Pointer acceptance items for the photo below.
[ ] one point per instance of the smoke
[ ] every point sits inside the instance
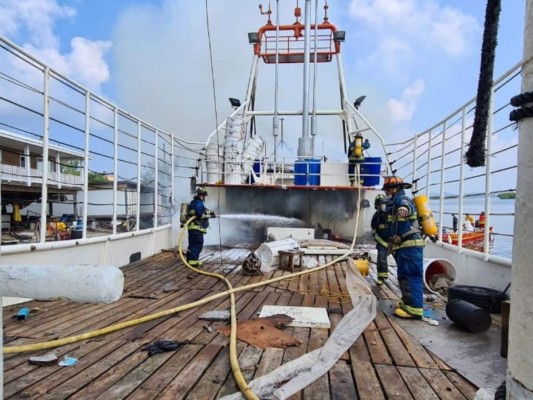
(246, 228)
(163, 73)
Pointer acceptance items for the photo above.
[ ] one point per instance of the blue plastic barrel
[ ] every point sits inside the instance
(307, 172)
(314, 172)
(370, 170)
(301, 172)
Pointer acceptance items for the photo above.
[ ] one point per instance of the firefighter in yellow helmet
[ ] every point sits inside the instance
(198, 227)
(406, 244)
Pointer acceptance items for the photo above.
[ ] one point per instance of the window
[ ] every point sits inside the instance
(51, 165)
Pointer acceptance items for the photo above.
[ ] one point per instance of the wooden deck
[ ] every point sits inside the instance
(384, 363)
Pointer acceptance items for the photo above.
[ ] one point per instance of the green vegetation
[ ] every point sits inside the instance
(507, 195)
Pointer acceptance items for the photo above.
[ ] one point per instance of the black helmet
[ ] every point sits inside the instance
(200, 190)
(380, 199)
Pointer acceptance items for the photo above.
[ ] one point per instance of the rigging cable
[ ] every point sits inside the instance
(216, 120)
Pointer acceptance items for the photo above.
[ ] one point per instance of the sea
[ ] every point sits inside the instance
(501, 219)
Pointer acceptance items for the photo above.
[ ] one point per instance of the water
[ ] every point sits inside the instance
(273, 220)
(501, 219)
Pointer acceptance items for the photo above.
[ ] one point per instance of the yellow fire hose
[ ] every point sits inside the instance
(243, 386)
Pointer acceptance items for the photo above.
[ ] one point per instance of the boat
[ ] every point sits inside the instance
(87, 136)
(467, 238)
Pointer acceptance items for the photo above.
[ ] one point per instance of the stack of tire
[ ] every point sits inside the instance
(469, 306)
(488, 299)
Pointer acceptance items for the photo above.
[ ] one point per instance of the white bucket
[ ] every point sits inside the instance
(268, 252)
(437, 266)
(234, 127)
(250, 154)
(213, 162)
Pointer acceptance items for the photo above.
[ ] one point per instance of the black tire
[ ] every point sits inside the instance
(485, 298)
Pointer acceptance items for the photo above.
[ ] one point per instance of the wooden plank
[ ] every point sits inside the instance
(366, 381)
(248, 361)
(270, 360)
(212, 380)
(444, 388)
(392, 383)
(419, 387)
(419, 354)
(398, 352)
(466, 388)
(179, 387)
(341, 381)
(318, 390)
(376, 346)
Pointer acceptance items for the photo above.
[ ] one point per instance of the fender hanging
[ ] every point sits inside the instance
(425, 216)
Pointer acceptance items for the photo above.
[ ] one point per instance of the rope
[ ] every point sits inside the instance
(475, 156)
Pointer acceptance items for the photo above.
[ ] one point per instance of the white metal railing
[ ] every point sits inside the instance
(434, 161)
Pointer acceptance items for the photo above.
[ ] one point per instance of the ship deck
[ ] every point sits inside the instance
(385, 362)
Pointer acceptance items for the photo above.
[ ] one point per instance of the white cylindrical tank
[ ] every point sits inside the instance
(81, 283)
(268, 252)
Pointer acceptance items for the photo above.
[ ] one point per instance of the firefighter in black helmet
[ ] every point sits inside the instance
(380, 228)
(198, 227)
(407, 245)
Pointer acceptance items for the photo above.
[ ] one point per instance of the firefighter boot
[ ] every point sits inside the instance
(405, 311)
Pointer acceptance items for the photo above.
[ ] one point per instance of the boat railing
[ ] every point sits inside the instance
(50, 116)
(434, 160)
(292, 171)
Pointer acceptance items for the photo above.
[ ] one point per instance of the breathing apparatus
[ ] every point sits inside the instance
(358, 146)
(424, 214)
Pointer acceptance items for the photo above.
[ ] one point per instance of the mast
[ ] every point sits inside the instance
(520, 352)
(305, 143)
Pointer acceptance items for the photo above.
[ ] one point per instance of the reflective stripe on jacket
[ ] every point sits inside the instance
(406, 227)
(381, 227)
(197, 209)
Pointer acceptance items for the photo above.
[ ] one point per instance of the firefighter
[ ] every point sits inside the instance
(355, 155)
(381, 232)
(406, 244)
(198, 227)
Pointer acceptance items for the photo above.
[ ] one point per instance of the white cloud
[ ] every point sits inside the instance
(413, 27)
(34, 20)
(404, 108)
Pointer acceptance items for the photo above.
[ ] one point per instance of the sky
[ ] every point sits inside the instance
(415, 60)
